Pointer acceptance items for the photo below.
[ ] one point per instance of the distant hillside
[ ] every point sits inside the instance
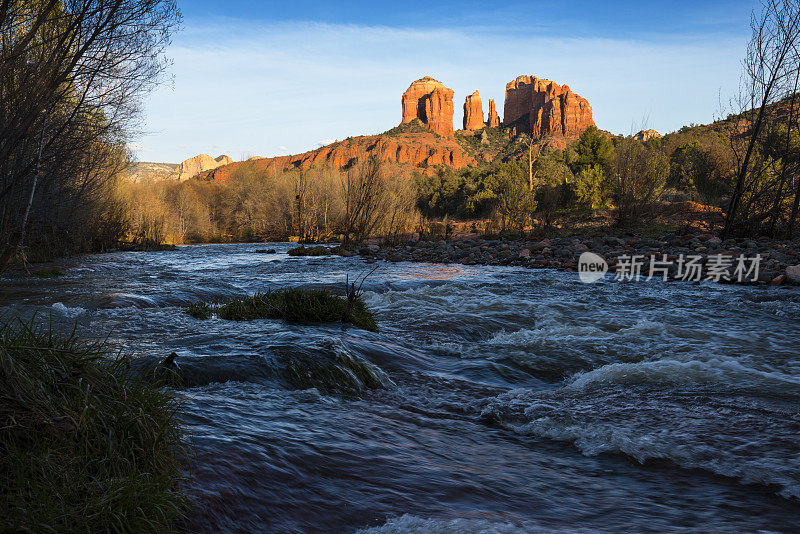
(148, 171)
(417, 144)
(406, 145)
(740, 122)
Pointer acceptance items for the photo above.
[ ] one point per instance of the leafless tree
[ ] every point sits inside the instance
(363, 189)
(770, 75)
(72, 73)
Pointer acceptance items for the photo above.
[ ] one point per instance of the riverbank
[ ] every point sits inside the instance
(86, 446)
(779, 262)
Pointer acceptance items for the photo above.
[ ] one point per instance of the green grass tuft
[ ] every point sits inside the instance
(200, 310)
(84, 446)
(292, 305)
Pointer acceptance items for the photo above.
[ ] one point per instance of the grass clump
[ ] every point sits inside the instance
(200, 310)
(294, 306)
(84, 447)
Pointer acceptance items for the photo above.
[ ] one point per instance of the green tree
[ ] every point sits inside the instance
(591, 164)
(637, 180)
(551, 185)
(515, 200)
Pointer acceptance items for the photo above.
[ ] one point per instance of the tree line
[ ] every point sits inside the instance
(253, 204)
(745, 169)
(627, 178)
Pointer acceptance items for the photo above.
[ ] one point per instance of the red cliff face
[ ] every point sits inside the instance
(493, 121)
(411, 149)
(473, 112)
(432, 103)
(544, 108)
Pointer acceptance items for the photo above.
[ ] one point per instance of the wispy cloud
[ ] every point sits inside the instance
(254, 86)
(138, 149)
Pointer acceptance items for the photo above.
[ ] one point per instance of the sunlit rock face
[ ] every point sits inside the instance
(543, 108)
(201, 163)
(473, 112)
(492, 121)
(430, 102)
(646, 135)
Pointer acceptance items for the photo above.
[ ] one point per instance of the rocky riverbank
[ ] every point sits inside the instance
(676, 257)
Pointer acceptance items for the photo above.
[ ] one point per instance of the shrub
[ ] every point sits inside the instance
(592, 186)
(638, 179)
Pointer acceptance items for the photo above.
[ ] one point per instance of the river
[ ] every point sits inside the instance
(510, 400)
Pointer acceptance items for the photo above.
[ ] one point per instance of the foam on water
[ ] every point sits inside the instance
(68, 312)
(755, 440)
(721, 371)
(411, 524)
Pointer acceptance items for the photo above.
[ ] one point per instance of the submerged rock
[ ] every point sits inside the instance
(327, 367)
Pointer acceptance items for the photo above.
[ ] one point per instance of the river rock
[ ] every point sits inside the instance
(793, 274)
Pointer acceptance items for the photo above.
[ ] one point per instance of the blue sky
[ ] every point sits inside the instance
(272, 78)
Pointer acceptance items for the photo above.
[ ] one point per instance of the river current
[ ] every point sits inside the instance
(499, 399)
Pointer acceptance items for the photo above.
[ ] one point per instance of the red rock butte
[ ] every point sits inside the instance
(492, 121)
(532, 105)
(544, 108)
(430, 102)
(473, 112)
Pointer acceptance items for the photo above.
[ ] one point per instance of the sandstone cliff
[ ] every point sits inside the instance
(150, 171)
(473, 112)
(198, 164)
(646, 135)
(411, 150)
(430, 102)
(543, 108)
(493, 121)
